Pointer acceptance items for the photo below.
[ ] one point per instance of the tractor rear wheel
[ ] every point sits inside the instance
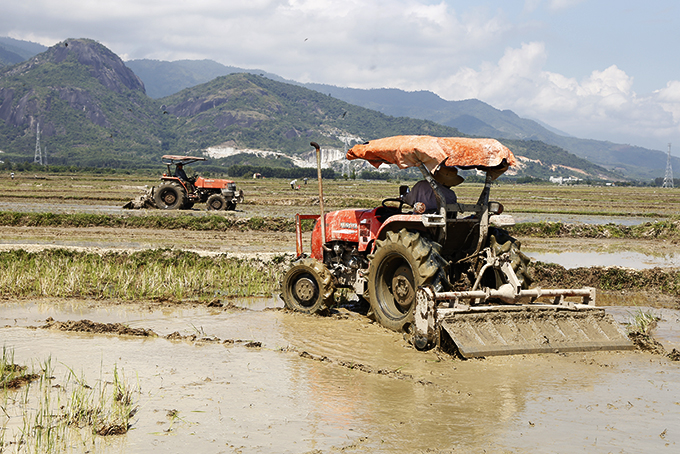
(402, 262)
(308, 287)
(170, 196)
(216, 202)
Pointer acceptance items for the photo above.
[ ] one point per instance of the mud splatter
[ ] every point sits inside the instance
(18, 382)
(88, 326)
(396, 374)
(195, 338)
(647, 343)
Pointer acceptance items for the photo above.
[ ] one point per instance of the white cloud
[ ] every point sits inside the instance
(557, 5)
(602, 105)
(553, 5)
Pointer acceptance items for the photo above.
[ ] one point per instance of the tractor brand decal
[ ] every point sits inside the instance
(348, 225)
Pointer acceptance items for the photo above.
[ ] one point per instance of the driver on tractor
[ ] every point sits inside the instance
(421, 196)
(181, 174)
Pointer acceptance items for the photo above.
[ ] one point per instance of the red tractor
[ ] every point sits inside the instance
(177, 191)
(420, 268)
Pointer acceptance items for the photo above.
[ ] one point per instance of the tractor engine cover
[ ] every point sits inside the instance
(209, 183)
(352, 226)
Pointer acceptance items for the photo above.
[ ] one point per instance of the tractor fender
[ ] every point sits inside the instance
(398, 222)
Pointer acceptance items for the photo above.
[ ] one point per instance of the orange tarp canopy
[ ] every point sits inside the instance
(410, 151)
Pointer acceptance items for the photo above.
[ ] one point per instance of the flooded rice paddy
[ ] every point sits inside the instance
(627, 259)
(252, 378)
(257, 379)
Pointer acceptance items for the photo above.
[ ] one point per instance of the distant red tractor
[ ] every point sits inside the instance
(179, 192)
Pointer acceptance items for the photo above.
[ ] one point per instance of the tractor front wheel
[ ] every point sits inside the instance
(402, 262)
(170, 196)
(308, 287)
(216, 202)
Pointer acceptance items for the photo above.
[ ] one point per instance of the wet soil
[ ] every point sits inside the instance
(88, 326)
(228, 379)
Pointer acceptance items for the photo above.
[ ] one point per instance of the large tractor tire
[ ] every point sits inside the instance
(402, 262)
(308, 287)
(170, 196)
(216, 202)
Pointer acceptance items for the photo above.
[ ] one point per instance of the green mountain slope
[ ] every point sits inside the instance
(167, 78)
(92, 110)
(248, 111)
(471, 116)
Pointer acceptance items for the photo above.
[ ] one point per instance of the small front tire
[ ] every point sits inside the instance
(308, 287)
(216, 202)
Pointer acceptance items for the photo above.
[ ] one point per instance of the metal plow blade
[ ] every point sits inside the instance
(517, 330)
(143, 201)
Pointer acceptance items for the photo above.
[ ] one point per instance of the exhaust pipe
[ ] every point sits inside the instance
(318, 174)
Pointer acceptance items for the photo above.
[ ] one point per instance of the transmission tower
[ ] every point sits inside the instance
(668, 179)
(38, 152)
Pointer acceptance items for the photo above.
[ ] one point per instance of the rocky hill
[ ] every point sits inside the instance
(92, 109)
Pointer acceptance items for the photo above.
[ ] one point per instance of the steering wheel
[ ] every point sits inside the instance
(399, 201)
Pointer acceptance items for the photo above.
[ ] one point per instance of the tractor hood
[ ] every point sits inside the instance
(184, 160)
(488, 155)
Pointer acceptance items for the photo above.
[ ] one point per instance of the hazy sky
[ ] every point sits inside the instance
(606, 69)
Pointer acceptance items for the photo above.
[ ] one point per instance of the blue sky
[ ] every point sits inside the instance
(606, 69)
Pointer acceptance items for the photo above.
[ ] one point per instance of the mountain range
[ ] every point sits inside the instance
(94, 110)
(471, 116)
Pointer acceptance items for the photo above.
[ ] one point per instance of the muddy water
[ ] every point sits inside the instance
(357, 387)
(628, 259)
(578, 252)
(584, 219)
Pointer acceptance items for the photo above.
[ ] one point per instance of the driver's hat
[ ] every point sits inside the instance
(448, 176)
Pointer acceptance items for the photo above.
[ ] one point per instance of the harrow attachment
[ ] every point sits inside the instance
(480, 329)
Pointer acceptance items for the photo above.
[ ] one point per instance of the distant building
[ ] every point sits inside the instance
(563, 180)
